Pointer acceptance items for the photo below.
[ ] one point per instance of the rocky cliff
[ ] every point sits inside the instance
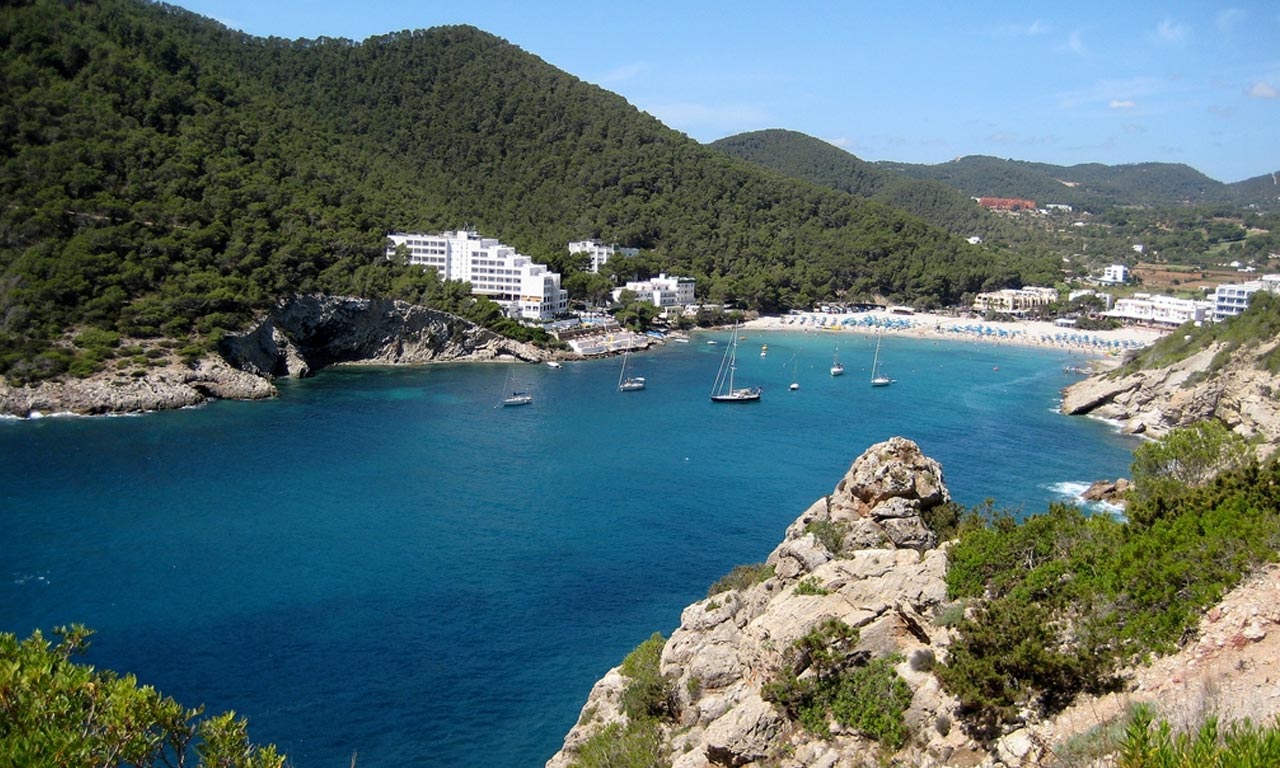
(298, 337)
(865, 557)
(1240, 393)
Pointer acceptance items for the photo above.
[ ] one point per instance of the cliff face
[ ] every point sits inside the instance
(884, 577)
(1152, 402)
(307, 333)
(297, 338)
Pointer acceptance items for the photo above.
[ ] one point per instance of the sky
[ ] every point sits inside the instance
(1126, 81)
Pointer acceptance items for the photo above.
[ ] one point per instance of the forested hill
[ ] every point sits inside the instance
(814, 160)
(1090, 186)
(163, 175)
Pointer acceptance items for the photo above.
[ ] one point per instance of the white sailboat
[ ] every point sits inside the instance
(723, 391)
(878, 379)
(628, 383)
(837, 368)
(517, 396)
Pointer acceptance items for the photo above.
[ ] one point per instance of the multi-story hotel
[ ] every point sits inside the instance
(525, 289)
(1015, 301)
(599, 252)
(1161, 310)
(661, 291)
(1231, 300)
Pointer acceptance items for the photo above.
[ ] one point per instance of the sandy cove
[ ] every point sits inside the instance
(1108, 345)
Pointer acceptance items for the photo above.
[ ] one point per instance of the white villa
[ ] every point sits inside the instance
(1161, 310)
(661, 291)
(1231, 300)
(523, 288)
(599, 252)
(1115, 274)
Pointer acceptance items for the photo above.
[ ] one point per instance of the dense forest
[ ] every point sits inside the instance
(1091, 186)
(164, 176)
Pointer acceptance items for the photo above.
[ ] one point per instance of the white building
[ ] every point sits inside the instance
(1115, 274)
(661, 291)
(1161, 310)
(599, 252)
(1231, 300)
(523, 288)
(1015, 301)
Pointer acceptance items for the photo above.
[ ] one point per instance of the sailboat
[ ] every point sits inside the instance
(723, 390)
(837, 368)
(878, 379)
(795, 364)
(628, 383)
(517, 396)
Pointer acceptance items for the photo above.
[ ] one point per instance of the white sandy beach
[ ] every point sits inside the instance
(1099, 344)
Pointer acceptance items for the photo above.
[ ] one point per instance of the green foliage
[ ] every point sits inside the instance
(648, 695)
(55, 711)
(741, 577)
(866, 695)
(830, 534)
(635, 745)
(1189, 456)
(1069, 598)
(811, 586)
(1240, 745)
(165, 176)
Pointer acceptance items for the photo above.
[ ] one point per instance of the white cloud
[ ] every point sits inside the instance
(1032, 29)
(1114, 93)
(1075, 44)
(1263, 90)
(1172, 32)
(1122, 104)
(625, 72)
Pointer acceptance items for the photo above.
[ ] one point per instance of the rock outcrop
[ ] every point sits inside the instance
(297, 338)
(870, 561)
(1240, 393)
(306, 333)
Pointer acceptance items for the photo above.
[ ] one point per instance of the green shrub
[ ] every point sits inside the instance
(1239, 745)
(829, 534)
(872, 699)
(741, 577)
(648, 694)
(811, 586)
(635, 745)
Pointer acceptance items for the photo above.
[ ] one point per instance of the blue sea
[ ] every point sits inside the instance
(383, 562)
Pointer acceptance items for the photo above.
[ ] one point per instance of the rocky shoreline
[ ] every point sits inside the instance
(297, 338)
(1240, 393)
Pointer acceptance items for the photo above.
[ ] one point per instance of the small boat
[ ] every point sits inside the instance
(723, 391)
(764, 350)
(795, 364)
(553, 363)
(628, 383)
(837, 368)
(878, 379)
(517, 397)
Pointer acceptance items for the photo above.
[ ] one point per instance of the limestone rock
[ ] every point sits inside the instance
(745, 734)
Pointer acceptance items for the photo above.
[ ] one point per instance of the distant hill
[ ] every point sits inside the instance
(165, 176)
(814, 160)
(1089, 186)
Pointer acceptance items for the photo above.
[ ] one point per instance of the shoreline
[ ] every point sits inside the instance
(1107, 346)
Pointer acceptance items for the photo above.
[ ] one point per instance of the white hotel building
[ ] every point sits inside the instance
(1161, 310)
(599, 252)
(525, 289)
(661, 291)
(1231, 300)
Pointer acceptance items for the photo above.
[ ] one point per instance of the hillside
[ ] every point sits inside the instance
(1091, 186)
(804, 157)
(165, 177)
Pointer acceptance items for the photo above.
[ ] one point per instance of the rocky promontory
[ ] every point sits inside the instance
(1210, 384)
(297, 337)
(862, 555)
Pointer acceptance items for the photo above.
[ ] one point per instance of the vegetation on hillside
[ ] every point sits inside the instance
(57, 711)
(1062, 600)
(164, 176)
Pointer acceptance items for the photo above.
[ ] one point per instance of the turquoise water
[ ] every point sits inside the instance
(383, 562)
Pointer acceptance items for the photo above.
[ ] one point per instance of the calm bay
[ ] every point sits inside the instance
(384, 561)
